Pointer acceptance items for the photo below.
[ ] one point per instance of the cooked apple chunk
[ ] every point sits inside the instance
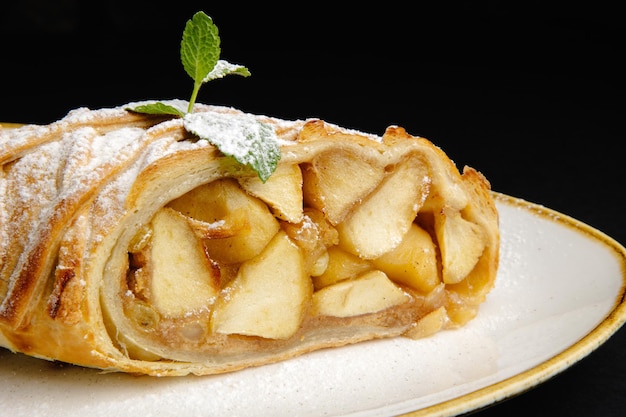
(379, 224)
(269, 295)
(282, 192)
(182, 277)
(369, 293)
(428, 325)
(413, 262)
(336, 181)
(341, 265)
(460, 242)
(223, 201)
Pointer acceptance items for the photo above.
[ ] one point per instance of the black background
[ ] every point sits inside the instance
(530, 95)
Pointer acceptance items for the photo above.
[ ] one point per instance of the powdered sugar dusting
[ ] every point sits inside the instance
(235, 133)
(12, 140)
(239, 135)
(111, 202)
(4, 237)
(30, 185)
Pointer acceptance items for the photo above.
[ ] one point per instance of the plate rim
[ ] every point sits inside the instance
(519, 383)
(9, 125)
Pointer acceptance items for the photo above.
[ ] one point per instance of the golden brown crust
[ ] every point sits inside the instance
(75, 195)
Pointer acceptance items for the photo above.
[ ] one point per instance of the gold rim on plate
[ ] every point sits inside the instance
(6, 125)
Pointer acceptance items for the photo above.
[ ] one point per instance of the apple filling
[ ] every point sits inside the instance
(330, 239)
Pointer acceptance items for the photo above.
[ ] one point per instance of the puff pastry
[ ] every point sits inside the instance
(128, 244)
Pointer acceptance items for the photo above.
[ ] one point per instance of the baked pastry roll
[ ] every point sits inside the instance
(129, 244)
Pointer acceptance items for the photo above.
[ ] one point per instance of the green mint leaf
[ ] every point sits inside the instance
(200, 46)
(157, 108)
(224, 68)
(199, 50)
(240, 136)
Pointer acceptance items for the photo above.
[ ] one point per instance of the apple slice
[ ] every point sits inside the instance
(182, 279)
(379, 224)
(413, 262)
(282, 192)
(428, 325)
(341, 265)
(335, 181)
(369, 293)
(460, 242)
(269, 295)
(224, 203)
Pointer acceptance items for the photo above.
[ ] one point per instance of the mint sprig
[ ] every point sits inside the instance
(199, 51)
(249, 142)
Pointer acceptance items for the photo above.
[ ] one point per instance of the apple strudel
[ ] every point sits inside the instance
(129, 244)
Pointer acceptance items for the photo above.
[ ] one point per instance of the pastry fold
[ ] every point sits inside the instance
(128, 244)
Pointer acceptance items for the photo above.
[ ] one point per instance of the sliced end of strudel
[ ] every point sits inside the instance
(130, 244)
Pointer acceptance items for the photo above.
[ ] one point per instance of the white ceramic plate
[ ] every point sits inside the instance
(558, 296)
